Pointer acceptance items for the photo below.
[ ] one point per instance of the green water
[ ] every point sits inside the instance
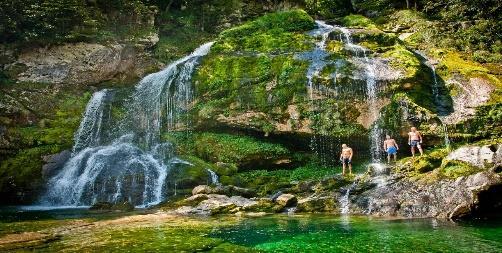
(321, 233)
(274, 233)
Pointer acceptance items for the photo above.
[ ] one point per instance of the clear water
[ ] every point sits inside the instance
(274, 233)
(324, 233)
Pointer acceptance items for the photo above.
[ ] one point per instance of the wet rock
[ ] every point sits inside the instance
(314, 204)
(212, 204)
(202, 189)
(483, 157)
(444, 198)
(286, 200)
(54, 163)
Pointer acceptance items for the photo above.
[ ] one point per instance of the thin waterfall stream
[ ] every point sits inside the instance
(133, 164)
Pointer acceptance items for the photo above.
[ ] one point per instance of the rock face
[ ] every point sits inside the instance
(80, 63)
(485, 156)
(54, 163)
(444, 199)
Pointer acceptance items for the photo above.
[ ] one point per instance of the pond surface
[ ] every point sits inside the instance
(273, 233)
(322, 233)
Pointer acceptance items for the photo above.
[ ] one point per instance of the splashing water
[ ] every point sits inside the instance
(134, 165)
(345, 200)
(214, 177)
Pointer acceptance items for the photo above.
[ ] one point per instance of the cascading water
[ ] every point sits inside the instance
(89, 132)
(214, 177)
(133, 165)
(317, 58)
(436, 93)
(371, 90)
(345, 200)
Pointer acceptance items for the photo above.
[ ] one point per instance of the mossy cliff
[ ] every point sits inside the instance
(253, 117)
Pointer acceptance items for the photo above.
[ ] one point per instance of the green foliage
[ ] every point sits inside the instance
(22, 171)
(281, 31)
(235, 149)
(358, 21)
(329, 8)
(485, 123)
(67, 20)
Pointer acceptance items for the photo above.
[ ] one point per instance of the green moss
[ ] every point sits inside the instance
(358, 21)
(484, 124)
(235, 149)
(281, 31)
(256, 83)
(454, 169)
(404, 60)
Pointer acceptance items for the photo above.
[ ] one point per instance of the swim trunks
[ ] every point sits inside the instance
(391, 150)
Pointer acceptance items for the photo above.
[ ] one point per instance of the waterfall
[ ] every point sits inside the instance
(89, 131)
(132, 166)
(317, 58)
(371, 91)
(437, 97)
(345, 200)
(214, 177)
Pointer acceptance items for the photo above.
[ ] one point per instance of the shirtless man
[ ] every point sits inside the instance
(390, 146)
(346, 158)
(415, 140)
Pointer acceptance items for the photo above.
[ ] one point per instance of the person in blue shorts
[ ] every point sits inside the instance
(390, 146)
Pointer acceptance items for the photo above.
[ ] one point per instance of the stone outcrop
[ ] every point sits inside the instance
(444, 198)
(83, 63)
(479, 156)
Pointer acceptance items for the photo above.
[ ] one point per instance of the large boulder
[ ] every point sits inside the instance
(53, 163)
(447, 198)
(479, 156)
(286, 200)
(211, 204)
(202, 189)
(315, 204)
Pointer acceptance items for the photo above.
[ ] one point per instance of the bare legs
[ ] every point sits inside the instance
(419, 149)
(343, 168)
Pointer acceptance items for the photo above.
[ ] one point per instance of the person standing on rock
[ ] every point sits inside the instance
(415, 140)
(390, 146)
(346, 158)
